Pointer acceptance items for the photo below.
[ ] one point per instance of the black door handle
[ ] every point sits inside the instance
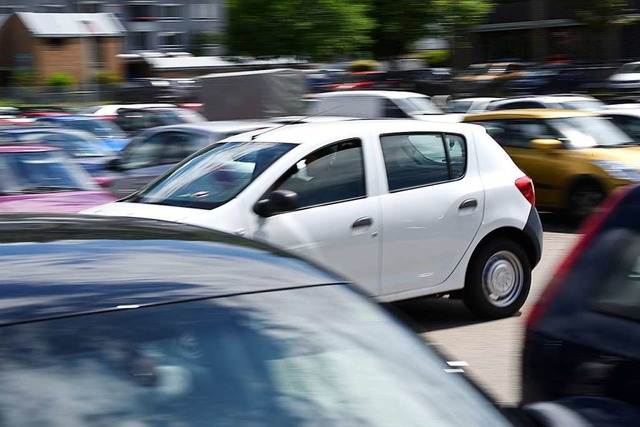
(469, 203)
(365, 221)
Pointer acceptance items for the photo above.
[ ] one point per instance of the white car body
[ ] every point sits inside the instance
(563, 102)
(112, 110)
(377, 104)
(420, 240)
(626, 78)
(475, 105)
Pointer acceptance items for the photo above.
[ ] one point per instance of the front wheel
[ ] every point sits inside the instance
(498, 280)
(583, 199)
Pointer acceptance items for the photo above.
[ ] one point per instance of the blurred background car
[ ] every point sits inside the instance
(110, 111)
(574, 158)
(626, 80)
(488, 79)
(548, 79)
(562, 101)
(582, 337)
(470, 105)
(135, 120)
(82, 147)
(42, 179)
(148, 320)
(628, 119)
(157, 150)
(110, 135)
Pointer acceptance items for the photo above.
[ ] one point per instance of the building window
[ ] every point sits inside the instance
(171, 40)
(52, 8)
(89, 7)
(171, 12)
(205, 11)
(140, 40)
(141, 12)
(55, 42)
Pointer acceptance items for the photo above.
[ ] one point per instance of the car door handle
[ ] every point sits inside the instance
(468, 204)
(365, 221)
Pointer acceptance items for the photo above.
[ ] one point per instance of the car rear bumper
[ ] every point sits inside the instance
(533, 230)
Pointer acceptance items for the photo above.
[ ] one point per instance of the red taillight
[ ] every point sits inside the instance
(588, 230)
(525, 185)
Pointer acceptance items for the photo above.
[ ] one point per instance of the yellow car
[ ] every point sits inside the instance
(574, 158)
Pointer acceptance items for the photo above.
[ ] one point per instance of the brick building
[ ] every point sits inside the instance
(77, 44)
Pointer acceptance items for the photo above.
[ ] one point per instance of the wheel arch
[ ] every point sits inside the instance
(511, 233)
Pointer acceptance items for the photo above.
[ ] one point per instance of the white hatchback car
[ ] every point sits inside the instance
(402, 207)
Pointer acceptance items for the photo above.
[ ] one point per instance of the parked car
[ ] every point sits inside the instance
(42, 179)
(582, 338)
(488, 79)
(471, 105)
(427, 81)
(405, 208)
(574, 158)
(133, 121)
(626, 80)
(82, 147)
(549, 79)
(110, 135)
(123, 322)
(372, 104)
(563, 101)
(110, 111)
(355, 80)
(627, 119)
(155, 151)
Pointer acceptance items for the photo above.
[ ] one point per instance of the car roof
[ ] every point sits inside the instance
(546, 98)
(61, 265)
(25, 148)
(222, 126)
(635, 112)
(536, 113)
(318, 132)
(393, 94)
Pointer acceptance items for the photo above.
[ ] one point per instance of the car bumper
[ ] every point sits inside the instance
(533, 230)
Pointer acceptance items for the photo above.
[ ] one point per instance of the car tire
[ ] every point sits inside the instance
(583, 199)
(498, 279)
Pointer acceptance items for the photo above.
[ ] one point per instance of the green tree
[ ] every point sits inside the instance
(320, 29)
(456, 17)
(397, 25)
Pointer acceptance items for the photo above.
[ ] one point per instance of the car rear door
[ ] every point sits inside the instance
(433, 209)
(336, 224)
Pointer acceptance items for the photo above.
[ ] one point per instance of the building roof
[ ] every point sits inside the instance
(72, 24)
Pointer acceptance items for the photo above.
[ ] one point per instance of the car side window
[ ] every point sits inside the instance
(392, 110)
(518, 105)
(518, 133)
(179, 146)
(332, 174)
(144, 151)
(631, 125)
(415, 160)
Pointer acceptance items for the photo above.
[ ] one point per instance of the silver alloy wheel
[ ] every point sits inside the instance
(502, 279)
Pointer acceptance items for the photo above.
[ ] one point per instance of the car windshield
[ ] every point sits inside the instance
(215, 176)
(418, 105)
(98, 127)
(460, 106)
(590, 131)
(321, 356)
(32, 172)
(73, 144)
(583, 105)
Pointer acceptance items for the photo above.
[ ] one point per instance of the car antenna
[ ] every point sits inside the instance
(253, 137)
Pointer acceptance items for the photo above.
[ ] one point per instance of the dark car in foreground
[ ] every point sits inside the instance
(131, 322)
(583, 337)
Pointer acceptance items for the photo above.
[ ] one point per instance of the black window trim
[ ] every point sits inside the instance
(274, 187)
(442, 135)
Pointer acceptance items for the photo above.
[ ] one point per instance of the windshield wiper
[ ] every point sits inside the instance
(46, 188)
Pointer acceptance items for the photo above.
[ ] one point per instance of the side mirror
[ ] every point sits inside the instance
(276, 202)
(114, 164)
(546, 144)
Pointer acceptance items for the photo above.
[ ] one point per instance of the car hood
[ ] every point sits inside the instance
(627, 155)
(60, 202)
(144, 210)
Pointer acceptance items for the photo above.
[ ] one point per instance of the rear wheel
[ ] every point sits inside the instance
(498, 279)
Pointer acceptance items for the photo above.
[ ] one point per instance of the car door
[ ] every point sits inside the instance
(336, 224)
(432, 211)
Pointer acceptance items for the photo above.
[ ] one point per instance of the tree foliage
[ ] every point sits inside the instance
(597, 14)
(455, 16)
(397, 25)
(320, 29)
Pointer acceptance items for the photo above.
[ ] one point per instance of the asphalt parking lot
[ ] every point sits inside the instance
(491, 349)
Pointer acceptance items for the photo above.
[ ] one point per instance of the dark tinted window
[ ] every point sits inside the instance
(330, 175)
(321, 356)
(629, 124)
(145, 151)
(414, 160)
(392, 110)
(517, 105)
(518, 133)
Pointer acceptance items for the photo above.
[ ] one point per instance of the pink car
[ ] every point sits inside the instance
(42, 179)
